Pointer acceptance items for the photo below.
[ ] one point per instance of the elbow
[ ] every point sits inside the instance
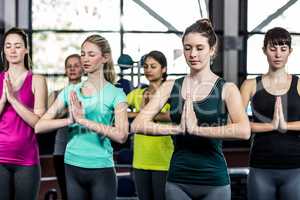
(124, 137)
(135, 127)
(37, 128)
(245, 131)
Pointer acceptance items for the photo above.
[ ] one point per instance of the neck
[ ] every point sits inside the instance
(277, 74)
(97, 79)
(202, 75)
(154, 85)
(74, 81)
(16, 70)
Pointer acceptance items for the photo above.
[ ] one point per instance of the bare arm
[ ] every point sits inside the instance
(239, 128)
(143, 123)
(52, 97)
(160, 117)
(2, 101)
(48, 122)
(40, 98)
(119, 132)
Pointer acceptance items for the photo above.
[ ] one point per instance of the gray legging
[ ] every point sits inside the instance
(272, 184)
(179, 191)
(22, 182)
(93, 184)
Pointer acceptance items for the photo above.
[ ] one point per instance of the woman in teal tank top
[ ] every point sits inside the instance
(200, 104)
(97, 114)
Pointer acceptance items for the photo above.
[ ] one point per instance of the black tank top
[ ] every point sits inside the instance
(275, 150)
(199, 160)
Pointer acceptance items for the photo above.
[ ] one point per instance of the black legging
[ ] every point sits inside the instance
(150, 184)
(19, 182)
(59, 167)
(93, 184)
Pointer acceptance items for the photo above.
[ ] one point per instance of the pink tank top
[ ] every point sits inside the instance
(18, 143)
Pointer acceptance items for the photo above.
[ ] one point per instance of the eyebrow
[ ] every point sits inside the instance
(14, 43)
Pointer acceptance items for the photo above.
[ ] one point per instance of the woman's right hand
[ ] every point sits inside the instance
(275, 121)
(182, 125)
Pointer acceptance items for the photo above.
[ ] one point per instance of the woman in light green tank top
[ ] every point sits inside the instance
(151, 154)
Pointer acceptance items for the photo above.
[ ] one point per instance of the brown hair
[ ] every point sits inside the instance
(23, 35)
(205, 28)
(102, 43)
(161, 59)
(277, 36)
(71, 56)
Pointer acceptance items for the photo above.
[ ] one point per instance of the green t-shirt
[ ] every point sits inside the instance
(87, 148)
(149, 152)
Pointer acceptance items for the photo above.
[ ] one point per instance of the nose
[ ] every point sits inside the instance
(12, 50)
(83, 59)
(193, 52)
(278, 53)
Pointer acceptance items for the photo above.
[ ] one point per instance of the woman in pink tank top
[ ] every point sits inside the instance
(22, 102)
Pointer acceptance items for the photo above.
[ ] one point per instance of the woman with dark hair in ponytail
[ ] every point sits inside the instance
(22, 103)
(200, 104)
(151, 154)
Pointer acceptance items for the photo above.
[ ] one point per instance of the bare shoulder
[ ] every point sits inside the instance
(229, 89)
(249, 84)
(38, 79)
(167, 86)
(38, 83)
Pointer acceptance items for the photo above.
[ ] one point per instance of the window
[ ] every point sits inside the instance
(60, 26)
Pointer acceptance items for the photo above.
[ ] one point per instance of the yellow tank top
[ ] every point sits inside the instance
(149, 152)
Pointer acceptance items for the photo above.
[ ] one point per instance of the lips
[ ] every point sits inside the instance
(194, 62)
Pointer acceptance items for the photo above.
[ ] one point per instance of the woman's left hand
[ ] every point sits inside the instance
(191, 119)
(282, 123)
(10, 94)
(76, 109)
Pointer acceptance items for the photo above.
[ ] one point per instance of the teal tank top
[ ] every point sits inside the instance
(199, 160)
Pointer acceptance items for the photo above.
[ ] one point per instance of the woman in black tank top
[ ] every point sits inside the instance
(200, 104)
(275, 103)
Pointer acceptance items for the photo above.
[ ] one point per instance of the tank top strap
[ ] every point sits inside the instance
(259, 86)
(293, 88)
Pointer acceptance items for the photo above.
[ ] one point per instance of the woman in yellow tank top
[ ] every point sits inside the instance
(151, 154)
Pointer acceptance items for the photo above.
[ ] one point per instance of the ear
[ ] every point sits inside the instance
(291, 50)
(106, 57)
(164, 69)
(212, 51)
(264, 50)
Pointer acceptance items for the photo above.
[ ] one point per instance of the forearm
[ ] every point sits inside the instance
(118, 134)
(293, 126)
(28, 116)
(2, 105)
(153, 128)
(261, 127)
(163, 117)
(47, 125)
(132, 114)
(229, 131)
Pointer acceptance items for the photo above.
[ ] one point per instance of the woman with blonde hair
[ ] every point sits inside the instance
(98, 114)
